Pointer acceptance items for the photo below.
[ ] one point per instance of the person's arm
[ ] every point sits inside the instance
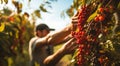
(58, 36)
(67, 48)
(66, 39)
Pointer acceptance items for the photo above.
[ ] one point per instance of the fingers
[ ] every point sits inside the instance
(75, 18)
(77, 14)
(70, 46)
(74, 45)
(74, 21)
(70, 41)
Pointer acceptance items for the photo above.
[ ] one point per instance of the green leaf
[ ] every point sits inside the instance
(2, 27)
(29, 0)
(10, 61)
(6, 1)
(118, 6)
(42, 8)
(75, 54)
(5, 44)
(36, 64)
(1, 1)
(70, 12)
(15, 3)
(7, 11)
(84, 2)
(20, 5)
(94, 14)
(47, 2)
(2, 34)
(37, 13)
(62, 14)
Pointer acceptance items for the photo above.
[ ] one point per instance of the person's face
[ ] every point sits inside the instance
(45, 32)
(42, 33)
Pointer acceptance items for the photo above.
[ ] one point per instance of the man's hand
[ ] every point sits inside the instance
(74, 21)
(69, 47)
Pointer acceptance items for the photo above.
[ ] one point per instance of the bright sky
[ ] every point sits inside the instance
(53, 19)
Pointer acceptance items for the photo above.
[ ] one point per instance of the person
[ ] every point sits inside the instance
(40, 46)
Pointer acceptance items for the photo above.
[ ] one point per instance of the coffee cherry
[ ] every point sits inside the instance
(96, 19)
(101, 18)
(101, 10)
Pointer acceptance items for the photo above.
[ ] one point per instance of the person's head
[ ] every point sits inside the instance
(42, 30)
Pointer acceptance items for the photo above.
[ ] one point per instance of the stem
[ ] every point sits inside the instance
(89, 26)
(117, 18)
(108, 3)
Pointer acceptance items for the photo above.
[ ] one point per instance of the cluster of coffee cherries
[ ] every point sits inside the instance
(80, 35)
(87, 33)
(101, 16)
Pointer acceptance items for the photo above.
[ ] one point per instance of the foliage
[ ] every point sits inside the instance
(16, 29)
(13, 36)
(102, 32)
(15, 32)
(98, 32)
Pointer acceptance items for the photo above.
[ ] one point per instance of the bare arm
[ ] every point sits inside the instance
(67, 48)
(66, 39)
(57, 37)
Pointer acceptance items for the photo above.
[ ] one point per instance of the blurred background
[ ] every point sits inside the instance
(17, 21)
(19, 17)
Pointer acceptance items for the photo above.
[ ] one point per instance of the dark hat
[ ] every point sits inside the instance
(42, 27)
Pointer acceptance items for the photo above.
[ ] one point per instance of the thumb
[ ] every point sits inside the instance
(77, 13)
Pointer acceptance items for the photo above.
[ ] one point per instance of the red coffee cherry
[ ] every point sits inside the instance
(101, 10)
(101, 18)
